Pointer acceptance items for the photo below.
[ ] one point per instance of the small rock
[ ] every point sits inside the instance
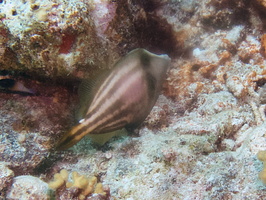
(6, 176)
(262, 94)
(28, 187)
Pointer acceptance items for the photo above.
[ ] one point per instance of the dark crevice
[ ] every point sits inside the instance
(138, 26)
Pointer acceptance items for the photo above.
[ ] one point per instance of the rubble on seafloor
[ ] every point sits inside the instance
(202, 137)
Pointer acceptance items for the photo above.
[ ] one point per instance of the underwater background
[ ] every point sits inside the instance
(204, 138)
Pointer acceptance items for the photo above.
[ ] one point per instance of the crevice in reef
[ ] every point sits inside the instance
(138, 26)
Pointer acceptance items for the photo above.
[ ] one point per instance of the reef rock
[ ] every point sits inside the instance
(201, 139)
(6, 177)
(28, 187)
(60, 39)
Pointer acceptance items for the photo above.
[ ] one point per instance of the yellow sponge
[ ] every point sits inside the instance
(79, 181)
(59, 179)
(88, 186)
(261, 155)
(262, 175)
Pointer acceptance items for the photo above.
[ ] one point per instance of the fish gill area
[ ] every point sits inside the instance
(201, 139)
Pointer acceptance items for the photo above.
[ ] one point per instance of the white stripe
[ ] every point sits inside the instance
(134, 77)
(104, 89)
(82, 120)
(113, 123)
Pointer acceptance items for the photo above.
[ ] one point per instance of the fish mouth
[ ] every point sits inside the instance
(165, 56)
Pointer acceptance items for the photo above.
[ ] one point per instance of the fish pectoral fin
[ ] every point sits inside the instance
(102, 138)
(87, 90)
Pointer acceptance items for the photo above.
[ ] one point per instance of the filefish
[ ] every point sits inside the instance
(10, 85)
(121, 99)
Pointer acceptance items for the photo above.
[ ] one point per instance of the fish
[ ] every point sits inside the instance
(122, 99)
(9, 85)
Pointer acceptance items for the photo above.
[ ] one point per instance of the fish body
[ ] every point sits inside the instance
(10, 85)
(124, 98)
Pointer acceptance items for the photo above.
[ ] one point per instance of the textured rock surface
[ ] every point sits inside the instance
(28, 187)
(26, 122)
(200, 140)
(62, 39)
(6, 176)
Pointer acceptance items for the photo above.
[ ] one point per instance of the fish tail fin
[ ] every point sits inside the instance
(68, 140)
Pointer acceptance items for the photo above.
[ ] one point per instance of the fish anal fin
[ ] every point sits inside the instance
(101, 139)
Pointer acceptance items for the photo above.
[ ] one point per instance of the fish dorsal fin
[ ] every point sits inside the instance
(87, 89)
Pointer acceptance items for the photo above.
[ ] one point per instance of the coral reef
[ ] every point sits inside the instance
(59, 39)
(81, 187)
(26, 137)
(201, 139)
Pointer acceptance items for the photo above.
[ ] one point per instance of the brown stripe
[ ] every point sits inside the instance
(111, 109)
(81, 130)
(118, 71)
(110, 87)
(113, 105)
(112, 127)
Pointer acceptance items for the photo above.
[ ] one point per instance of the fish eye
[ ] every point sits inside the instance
(6, 83)
(145, 59)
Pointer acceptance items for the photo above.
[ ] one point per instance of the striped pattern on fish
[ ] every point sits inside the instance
(123, 99)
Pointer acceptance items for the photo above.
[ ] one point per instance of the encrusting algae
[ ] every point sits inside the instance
(87, 186)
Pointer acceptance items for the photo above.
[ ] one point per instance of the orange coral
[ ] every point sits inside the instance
(187, 82)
